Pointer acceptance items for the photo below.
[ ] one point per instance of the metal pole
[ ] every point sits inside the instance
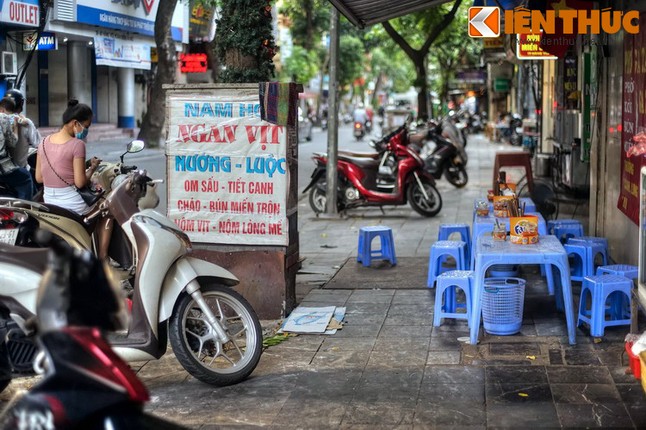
(333, 115)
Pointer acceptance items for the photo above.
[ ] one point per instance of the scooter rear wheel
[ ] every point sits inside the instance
(198, 349)
(318, 197)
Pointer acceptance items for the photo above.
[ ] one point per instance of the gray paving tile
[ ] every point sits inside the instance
(454, 374)
(443, 357)
(400, 331)
(515, 374)
(444, 394)
(585, 393)
(378, 413)
(518, 393)
(526, 415)
(579, 374)
(610, 415)
(453, 415)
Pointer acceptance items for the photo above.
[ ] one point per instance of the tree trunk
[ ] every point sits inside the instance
(152, 127)
(422, 84)
(378, 84)
(213, 60)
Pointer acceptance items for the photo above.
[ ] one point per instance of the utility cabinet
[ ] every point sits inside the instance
(232, 185)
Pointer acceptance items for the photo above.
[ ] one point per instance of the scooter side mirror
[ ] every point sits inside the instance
(133, 147)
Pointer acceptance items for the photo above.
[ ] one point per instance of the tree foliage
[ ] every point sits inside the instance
(415, 34)
(308, 21)
(245, 42)
(302, 65)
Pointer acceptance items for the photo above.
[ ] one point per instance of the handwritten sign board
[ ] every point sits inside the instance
(633, 120)
(227, 170)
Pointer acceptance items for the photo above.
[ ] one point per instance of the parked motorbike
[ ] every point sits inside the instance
(86, 385)
(214, 332)
(443, 156)
(514, 133)
(359, 178)
(28, 216)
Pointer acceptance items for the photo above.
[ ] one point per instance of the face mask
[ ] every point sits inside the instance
(83, 134)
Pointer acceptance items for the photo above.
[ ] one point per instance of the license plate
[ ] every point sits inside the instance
(9, 236)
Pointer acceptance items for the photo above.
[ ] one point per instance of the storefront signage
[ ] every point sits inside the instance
(192, 63)
(633, 122)
(22, 12)
(200, 21)
(46, 42)
(125, 15)
(529, 48)
(501, 85)
(121, 53)
(571, 81)
(227, 171)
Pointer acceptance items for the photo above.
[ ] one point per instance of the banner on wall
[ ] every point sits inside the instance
(133, 16)
(227, 171)
(633, 121)
(121, 53)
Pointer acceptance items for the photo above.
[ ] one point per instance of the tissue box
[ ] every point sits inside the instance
(523, 230)
(633, 361)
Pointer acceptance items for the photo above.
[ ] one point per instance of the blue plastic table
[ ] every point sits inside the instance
(548, 251)
(530, 206)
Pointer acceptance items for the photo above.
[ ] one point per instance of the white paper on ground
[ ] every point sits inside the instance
(309, 319)
(339, 314)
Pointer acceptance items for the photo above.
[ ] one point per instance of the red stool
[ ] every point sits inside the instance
(514, 159)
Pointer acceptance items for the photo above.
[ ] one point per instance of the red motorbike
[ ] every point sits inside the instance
(362, 180)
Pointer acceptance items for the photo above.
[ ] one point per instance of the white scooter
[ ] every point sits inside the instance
(214, 332)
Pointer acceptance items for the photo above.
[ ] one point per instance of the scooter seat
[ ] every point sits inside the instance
(57, 210)
(363, 162)
(34, 259)
(372, 155)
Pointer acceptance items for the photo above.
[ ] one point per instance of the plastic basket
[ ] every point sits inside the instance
(502, 305)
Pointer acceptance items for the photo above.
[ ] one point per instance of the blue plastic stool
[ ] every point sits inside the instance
(599, 288)
(447, 284)
(586, 251)
(446, 230)
(366, 254)
(440, 249)
(567, 231)
(558, 222)
(630, 272)
(601, 240)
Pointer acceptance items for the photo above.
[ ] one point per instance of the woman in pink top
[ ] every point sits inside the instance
(60, 165)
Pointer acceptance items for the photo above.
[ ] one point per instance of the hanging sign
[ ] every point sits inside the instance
(528, 47)
(633, 122)
(227, 171)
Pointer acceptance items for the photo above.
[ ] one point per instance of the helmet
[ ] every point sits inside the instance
(17, 98)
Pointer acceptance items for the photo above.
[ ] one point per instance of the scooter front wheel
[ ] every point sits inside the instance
(426, 202)
(198, 348)
(456, 175)
(318, 197)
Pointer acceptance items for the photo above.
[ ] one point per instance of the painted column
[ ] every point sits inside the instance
(126, 108)
(78, 72)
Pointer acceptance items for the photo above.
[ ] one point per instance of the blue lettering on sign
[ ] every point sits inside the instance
(213, 110)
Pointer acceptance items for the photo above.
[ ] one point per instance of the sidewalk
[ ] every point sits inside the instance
(390, 368)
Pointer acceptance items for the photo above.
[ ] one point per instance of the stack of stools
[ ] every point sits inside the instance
(446, 230)
(365, 254)
(446, 303)
(558, 222)
(599, 289)
(586, 251)
(441, 249)
(567, 231)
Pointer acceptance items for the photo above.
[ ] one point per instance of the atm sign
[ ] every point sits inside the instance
(46, 42)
